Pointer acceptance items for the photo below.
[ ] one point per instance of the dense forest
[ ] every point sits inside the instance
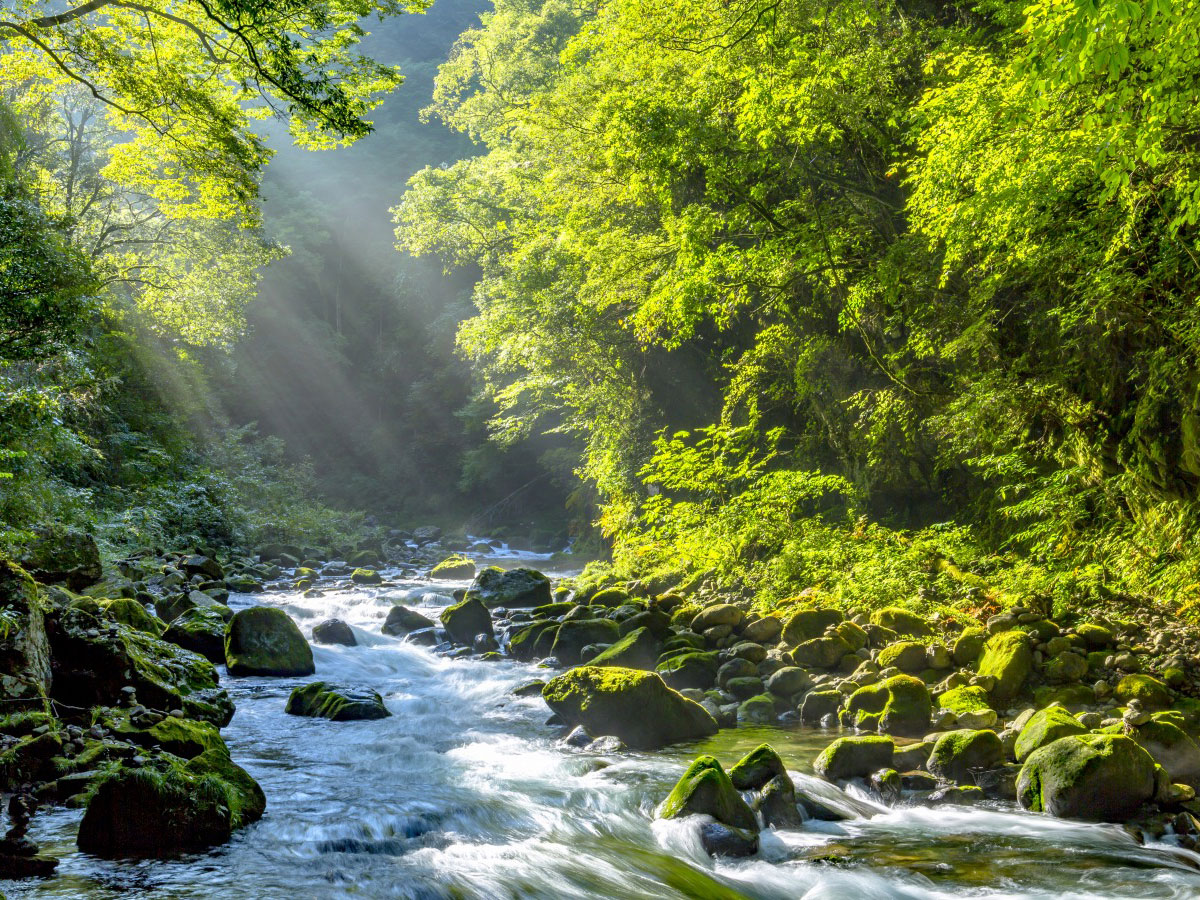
(770, 292)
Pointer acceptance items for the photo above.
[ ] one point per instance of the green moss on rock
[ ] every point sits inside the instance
(1045, 727)
(957, 755)
(1007, 658)
(901, 621)
(263, 640)
(900, 705)
(1101, 777)
(854, 757)
(705, 789)
(636, 706)
(321, 700)
(1152, 693)
(637, 650)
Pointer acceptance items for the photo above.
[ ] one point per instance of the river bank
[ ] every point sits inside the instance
(464, 791)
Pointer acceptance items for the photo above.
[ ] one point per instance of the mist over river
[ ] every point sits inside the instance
(464, 792)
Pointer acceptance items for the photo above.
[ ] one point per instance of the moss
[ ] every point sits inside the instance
(201, 630)
(613, 596)
(705, 789)
(907, 656)
(263, 640)
(969, 645)
(854, 757)
(1045, 727)
(689, 670)
(185, 738)
(466, 619)
(901, 621)
(1074, 697)
(637, 650)
(684, 642)
(1152, 693)
(366, 577)
(495, 587)
(965, 699)
(757, 710)
(320, 700)
(821, 653)
(1095, 636)
(900, 705)
(131, 613)
(1171, 748)
(1007, 658)
(807, 624)
(756, 768)
(958, 754)
(168, 806)
(575, 634)
(523, 641)
(636, 706)
(551, 610)
(454, 567)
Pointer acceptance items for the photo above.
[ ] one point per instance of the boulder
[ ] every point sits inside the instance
(807, 624)
(326, 701)
(788, 681)
(636, 706)
(854, 757)
(958, 755)
(901, 621)
(756, 768)
(130, 612)
(907, 656)
(574, 635)
(169, 806)
(171, 608)
(757, 710)
(1065, 668)
(899, 705)
(205, 566)
(334, 631)
(819, 704)
(1096, 637)
(523, 641)
(1007, 658)
(515, 588)
(1101, 777)
(401, 620)
(969, 645)
(636, 650)
(1045, 727)
(764, 631)
(454, 568)
(655, 620)
(466, 619)
(705, 790)
(263, 640)
(201, 630)
(366, 577)
(1171, 748)
(821, 653)
(689, 670)
(24, 646)
(969, 705)
(1152, 693)
(58, 555)
(720, 614)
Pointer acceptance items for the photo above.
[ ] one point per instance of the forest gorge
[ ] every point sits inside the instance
(798, 400)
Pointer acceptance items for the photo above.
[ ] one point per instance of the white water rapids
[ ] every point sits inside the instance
(464, 793)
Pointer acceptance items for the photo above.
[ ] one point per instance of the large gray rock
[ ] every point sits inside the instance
(515, 588)
(465, 620)
(263, 640)
(1102, 777)
(318, 699)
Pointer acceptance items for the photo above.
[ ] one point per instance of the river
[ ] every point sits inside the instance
(463, 793)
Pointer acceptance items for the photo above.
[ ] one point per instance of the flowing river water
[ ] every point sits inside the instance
(463, 792)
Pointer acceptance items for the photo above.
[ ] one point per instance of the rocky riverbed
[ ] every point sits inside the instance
(400, 741)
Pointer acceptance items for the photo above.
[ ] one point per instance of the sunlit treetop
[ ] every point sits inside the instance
(183, 80)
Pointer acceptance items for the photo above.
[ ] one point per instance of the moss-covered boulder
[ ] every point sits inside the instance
(705, 790)
(717, 615)
(575, 634)
(169, 806)
(1095, 637)
(957, 755)
(821, 652)
(1171, 747)
(464, 620)
(1065, 668)
(185, 738)
(401, 620)
(689, 670)
(756, 768)
(636, 706)
(201, 630)
(263, 640)
(901, 621)
(130, 612)
(636, 650)
(807, 624)
(24, 645)
(854, 757)
(758, 709)
(1045, 727)
(970, 706)
(495, 587)
(907, 656)
(341, 704)
(172, 607)
(454, 567)
(523, 641)
(819, 704)
(93, 659)
(1101, 777)
(1008, 658)
(366, 577)
(968, 645)
(1152, 693)
(58, 555)
(899, 705)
